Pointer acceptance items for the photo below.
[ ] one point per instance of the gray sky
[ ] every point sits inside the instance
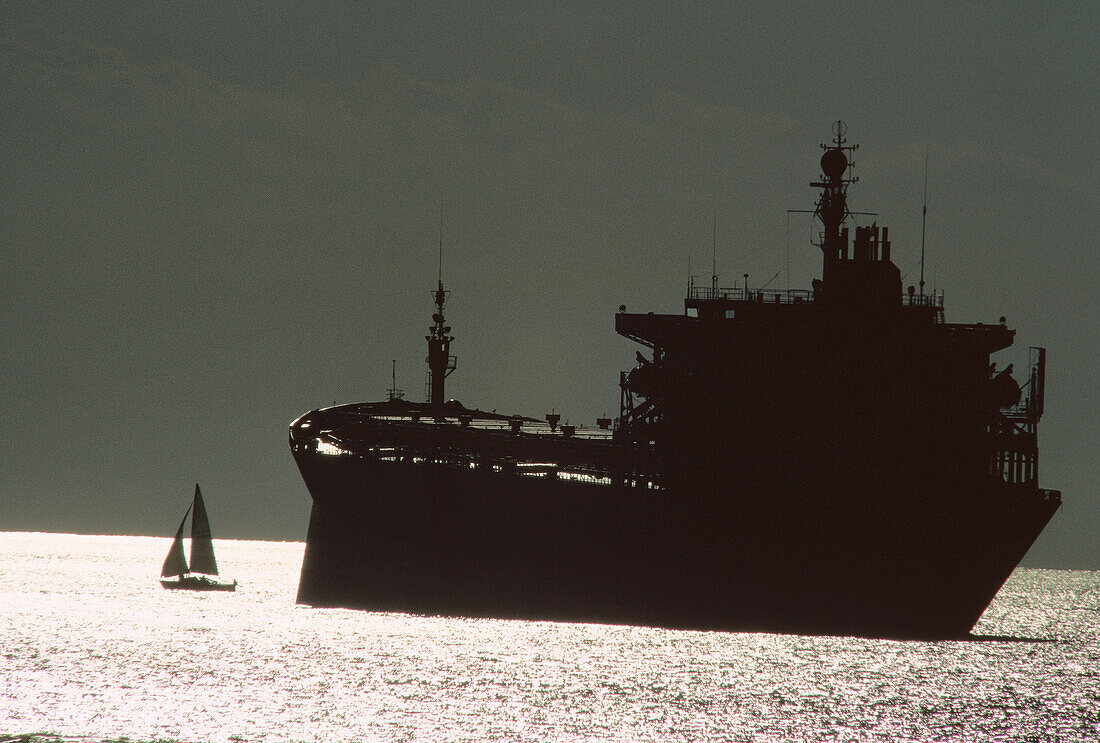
(215, 217)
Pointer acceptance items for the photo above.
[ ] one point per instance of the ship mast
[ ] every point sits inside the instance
(832, 205)
(440, 361)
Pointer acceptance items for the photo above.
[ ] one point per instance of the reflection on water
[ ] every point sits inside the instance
(90, 645)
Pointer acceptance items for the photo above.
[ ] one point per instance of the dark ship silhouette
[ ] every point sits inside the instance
(834, 461)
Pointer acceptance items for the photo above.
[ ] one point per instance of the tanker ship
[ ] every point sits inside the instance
(837, 460)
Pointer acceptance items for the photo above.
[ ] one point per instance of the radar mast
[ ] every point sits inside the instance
(832, 205)
(440, 361)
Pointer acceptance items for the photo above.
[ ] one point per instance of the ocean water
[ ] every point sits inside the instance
(92, 647)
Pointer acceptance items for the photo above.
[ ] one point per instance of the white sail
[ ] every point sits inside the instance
(202, 543)
(176, 563)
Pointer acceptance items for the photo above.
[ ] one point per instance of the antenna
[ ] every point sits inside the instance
(788, 252)
(691, 279)
(441, 241)
(714, 253)
(394, 392)
(840, 129)
(923, 220)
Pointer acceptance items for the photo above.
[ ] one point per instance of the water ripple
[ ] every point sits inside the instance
(93, 649)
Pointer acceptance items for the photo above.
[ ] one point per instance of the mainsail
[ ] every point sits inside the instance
(202, 543)
(176, 563)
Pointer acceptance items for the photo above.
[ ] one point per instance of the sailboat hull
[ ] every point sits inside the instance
(198, 583)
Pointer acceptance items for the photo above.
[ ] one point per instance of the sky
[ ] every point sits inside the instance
(215, 217)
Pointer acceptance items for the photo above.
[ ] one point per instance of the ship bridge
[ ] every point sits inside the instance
(705, 305)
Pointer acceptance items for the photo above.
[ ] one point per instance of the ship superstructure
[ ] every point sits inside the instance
(836, 460)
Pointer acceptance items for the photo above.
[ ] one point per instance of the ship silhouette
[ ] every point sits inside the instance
(839, 460)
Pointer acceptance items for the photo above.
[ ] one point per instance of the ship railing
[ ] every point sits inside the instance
(1015, 467)
(469, 443)
(740, 294)
(533, 427)
(926, 302)
(935, 300)
(555, 470)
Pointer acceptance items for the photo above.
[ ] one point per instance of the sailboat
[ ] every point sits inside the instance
(203, 573)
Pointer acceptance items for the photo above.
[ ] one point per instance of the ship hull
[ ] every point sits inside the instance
(439, 539)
